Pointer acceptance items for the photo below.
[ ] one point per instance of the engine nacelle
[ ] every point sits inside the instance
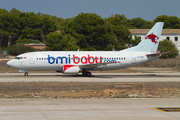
(71, 69)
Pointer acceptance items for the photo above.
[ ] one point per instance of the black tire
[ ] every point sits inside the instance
(84, 73)
(25, 74)
(88, 74)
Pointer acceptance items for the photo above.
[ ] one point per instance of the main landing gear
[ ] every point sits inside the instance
(86, 73)
(26, 74)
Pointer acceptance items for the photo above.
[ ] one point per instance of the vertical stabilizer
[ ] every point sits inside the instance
(151, 41)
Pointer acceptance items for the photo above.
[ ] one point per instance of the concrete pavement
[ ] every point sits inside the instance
(96, 77)
(88, 109)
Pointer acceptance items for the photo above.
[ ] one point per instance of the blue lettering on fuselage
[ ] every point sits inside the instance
(58, 58)
(113, 61)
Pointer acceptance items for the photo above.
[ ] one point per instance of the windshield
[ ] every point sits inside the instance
(18, 58)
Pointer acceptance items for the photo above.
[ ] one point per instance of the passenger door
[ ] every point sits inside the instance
(133, 59)
(32, 59)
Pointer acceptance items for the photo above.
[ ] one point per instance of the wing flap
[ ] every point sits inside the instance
(94, 65)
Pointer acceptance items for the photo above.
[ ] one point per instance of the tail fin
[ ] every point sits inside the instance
(151, 41)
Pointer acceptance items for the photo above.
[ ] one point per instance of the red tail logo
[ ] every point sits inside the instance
(153, 38)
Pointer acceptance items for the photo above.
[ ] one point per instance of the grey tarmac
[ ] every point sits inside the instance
(88, 109)
(96, 77)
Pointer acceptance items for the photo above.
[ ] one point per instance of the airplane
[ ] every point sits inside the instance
(74, 62)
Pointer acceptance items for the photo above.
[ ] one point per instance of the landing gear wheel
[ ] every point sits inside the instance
(88, 74)
(25, 74)
(84, 73)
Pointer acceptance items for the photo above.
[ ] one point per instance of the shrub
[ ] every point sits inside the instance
(167, 45)
(4, 53)
(27, 41)
(19, 48)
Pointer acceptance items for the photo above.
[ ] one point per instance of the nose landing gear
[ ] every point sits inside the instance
(26, 74)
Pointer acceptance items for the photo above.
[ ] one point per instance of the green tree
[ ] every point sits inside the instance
(59, 42)
(14, 10)
(4, 27)
(121, 31)
(122, 36)
(9, 22)
(19, 48)
(139, 23)
(63, 22)
(117, 20)
(4, 37)
(48, 25)
(135, 41)
(91, 32)
(30, 26)
(170, 22)
(167, 45)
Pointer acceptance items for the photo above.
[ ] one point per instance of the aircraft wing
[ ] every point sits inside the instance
(157, 54)
(89, 66)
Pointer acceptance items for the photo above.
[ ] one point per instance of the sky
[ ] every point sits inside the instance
(145, 9)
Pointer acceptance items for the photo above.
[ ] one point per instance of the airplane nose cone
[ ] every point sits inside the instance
(9, 63)
(13, 63)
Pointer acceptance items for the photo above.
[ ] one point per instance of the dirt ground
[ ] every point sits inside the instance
(74, 90)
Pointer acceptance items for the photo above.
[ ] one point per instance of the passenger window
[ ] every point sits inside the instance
(39, 58)
(42, 58)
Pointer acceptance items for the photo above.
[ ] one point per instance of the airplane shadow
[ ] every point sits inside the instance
(95, 76)
(119, 76)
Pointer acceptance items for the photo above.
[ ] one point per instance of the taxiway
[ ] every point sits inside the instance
(88, 109)
(96, 77)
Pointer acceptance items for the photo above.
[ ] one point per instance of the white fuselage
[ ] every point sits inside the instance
(54, 60)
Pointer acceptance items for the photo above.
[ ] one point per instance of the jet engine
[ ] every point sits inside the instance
(71, 69)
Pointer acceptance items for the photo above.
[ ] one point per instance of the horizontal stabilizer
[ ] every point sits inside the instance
(157, 54)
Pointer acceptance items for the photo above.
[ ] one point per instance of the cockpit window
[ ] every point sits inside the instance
(17, 58)
(20, 58)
